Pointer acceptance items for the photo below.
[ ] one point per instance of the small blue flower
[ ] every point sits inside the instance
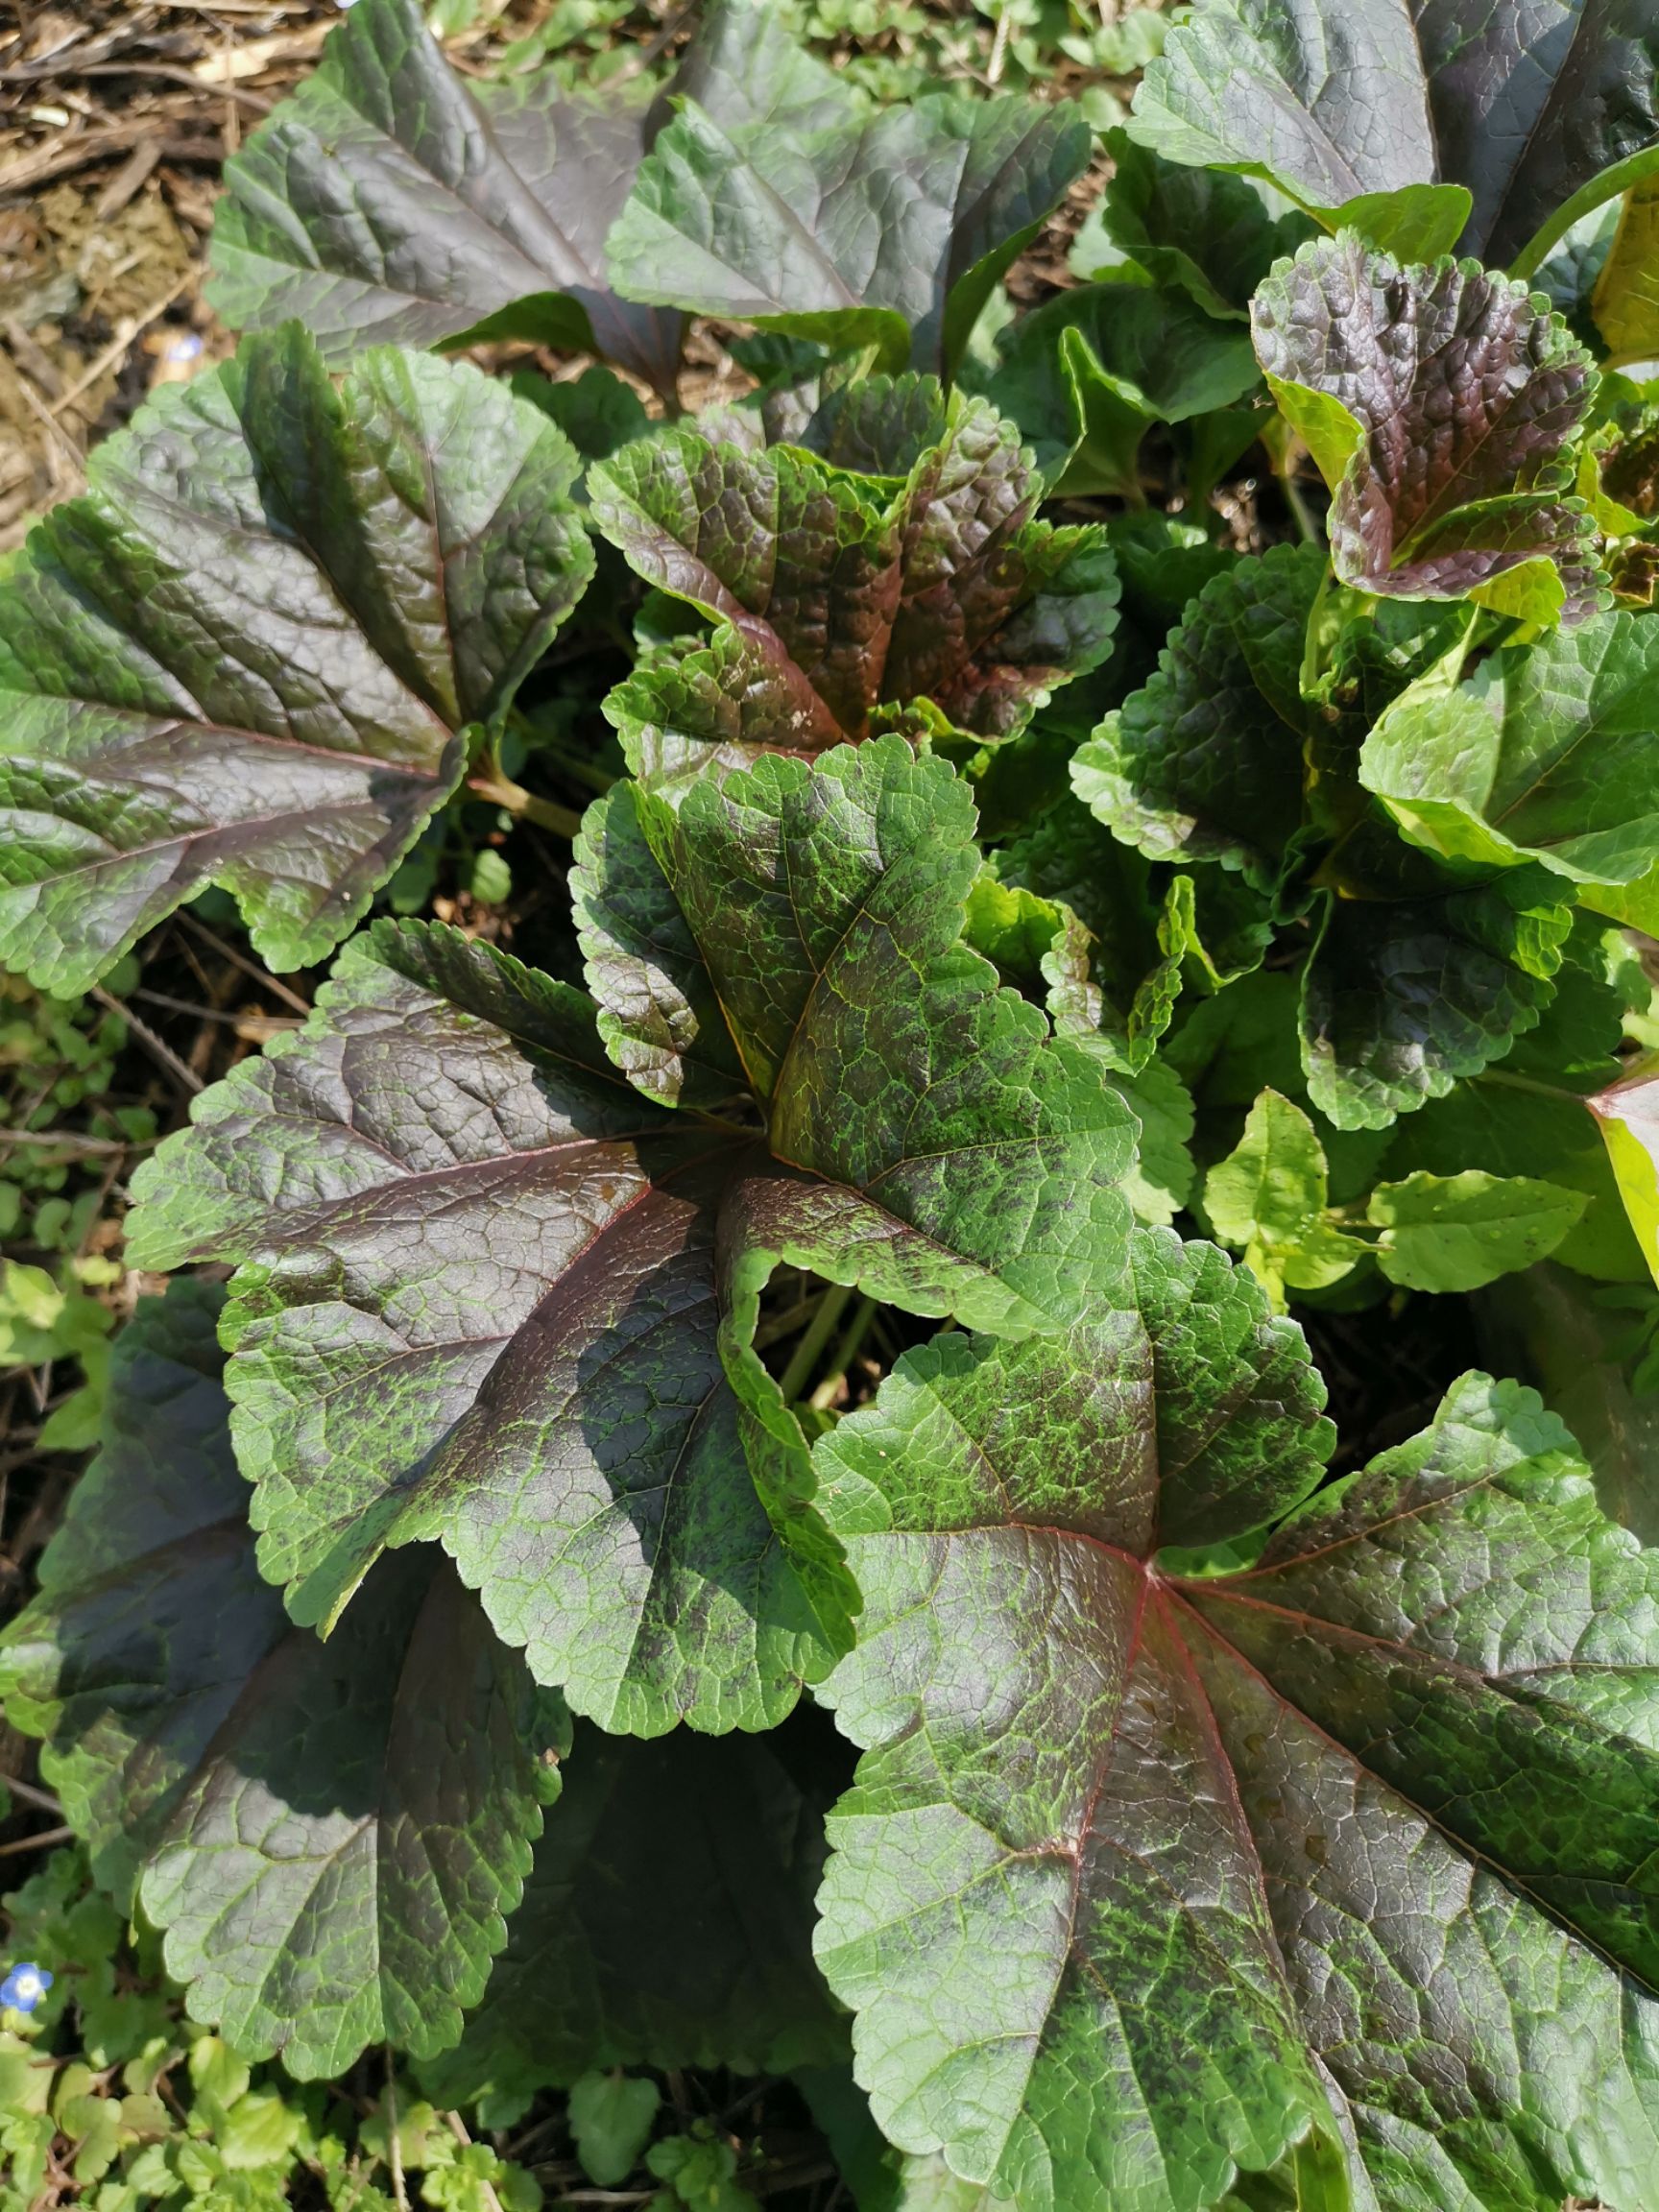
(24, 1987)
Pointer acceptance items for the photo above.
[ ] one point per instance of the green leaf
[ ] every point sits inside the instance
(1204, 762)
(625, 1953)
(1627, 1116)
(1402, 999)
(596, 410)
(1542, 754)
(827, 905)
(612, 2116)
(250, 654)
(393, 199)
(1413, 222)
(1444, 453)
(1458, 1232)
(887, 556)
(1087, 374)
(329, 1835)
(1626, 301)
(854, 226)
(1106, 954)
(490, 1295)
(524, 1362)
(1552, 1328)
(1527, 109)
(1269, 1198)
(1208, 233)
(1297, 97)
(1267, 1857)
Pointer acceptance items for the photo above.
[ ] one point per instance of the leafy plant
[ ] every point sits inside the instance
(1070, 785)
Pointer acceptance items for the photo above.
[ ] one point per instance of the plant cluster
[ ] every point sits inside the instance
(1124, 829)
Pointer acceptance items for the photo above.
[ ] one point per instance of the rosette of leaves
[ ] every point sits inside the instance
(1301, 1822)
(1418, 974)
(390, 199)
(491, 1292)
(330, 1834)
(1087, 375)
(1438, 401)
(1541, 754)
(260, 649)
(1270, 1199)
(1428, 126)
(883, 567)
(815, 214)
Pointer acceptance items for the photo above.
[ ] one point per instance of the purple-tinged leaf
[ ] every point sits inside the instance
(886, 560)
(1535, 107)
(391, 199)
(1437, 403)
(489, 1294)
(329, 1835)
(1332, 1849)
(251, 653)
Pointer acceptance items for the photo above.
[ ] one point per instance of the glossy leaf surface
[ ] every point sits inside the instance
(1543, 753)
(393, 199)
(1523, 107)
(1283, 1854)
(816, 214)
(329, 1835)
(250, 654)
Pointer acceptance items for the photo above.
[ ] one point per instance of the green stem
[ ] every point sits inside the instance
(499, 790)
(810, 1349)
(1299, 508)
(1513, 1082)
(846, 1352)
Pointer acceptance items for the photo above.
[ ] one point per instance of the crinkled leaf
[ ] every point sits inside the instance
(1543, 753)
(491, 1295)
(1402, 999)
(668, 1921)
(1084, 930)
(1165, 561)
(827, 905)
(478, 1303)
(887, 556)
(249, 653)
(391, 198)
(1303, 1847)
(1460, 1232)
(1204, 762)
(1340, 99)
(330, 1835)
(1437, 401)
(834, 220)
(1087, 374)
